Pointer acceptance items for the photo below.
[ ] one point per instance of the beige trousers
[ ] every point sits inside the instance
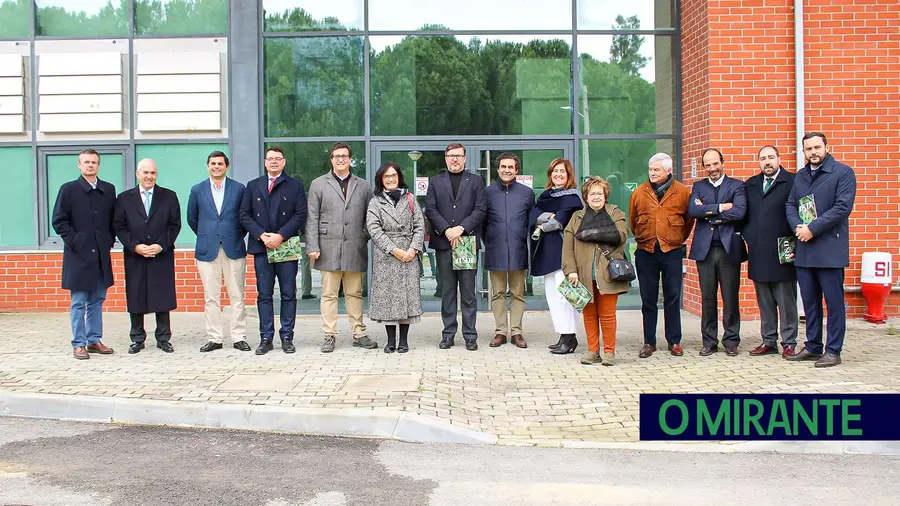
(211, 274)
(514, 282)
(331, 283)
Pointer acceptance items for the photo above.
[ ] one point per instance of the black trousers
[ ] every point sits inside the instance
(452, 280)
(715, 272)
(163, 330)
(650, 268)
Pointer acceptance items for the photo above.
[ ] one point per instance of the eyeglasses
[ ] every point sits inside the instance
(455, 157)
(275, 159)
(390, 176)
(340, 157)
(596, 195)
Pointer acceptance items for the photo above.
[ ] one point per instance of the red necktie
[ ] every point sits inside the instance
(271, 183)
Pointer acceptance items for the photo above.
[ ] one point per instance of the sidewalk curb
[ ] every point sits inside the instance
(347, 422)
(806, 447)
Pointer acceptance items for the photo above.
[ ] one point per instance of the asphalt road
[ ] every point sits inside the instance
(45, 462)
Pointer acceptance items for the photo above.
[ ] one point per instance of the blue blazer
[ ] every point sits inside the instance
(214, 228)
(708, 218)
(444, 211)
(834, 191)
(283, 211)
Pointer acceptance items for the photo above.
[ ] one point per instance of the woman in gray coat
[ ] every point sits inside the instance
(397, 227)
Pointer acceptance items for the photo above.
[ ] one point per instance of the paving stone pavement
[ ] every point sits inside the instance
(524, 396)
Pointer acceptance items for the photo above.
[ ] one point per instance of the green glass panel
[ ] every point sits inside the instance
(14, 19)
(314, 86)
(623, 163)
(64, 168)
(484, 85)
(635, 14)
(181, 17)
(17, 198)
(627, 84)
(309, 15)
(179, 167)
(95, 17)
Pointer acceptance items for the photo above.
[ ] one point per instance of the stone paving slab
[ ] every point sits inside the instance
(523, 396)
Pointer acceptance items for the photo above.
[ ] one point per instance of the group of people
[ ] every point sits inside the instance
(566, 235)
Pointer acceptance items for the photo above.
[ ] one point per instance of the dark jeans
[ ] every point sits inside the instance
(163, 329)
(715, 272)
(650, 266)
(286, 272)
(450, 281)
(814, 283)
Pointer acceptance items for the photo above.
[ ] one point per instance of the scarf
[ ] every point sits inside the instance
(662, 188)
(598, 227)
(395, 194)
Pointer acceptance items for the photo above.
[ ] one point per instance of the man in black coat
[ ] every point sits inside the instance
(775, 282)
(147, 222)
(83, 218)
(455, 206)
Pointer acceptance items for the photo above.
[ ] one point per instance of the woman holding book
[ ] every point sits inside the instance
(548, 218)
(397, 227)
(593, 238)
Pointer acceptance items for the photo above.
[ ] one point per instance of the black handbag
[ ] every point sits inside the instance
(619, 268)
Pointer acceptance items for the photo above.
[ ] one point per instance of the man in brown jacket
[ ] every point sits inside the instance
(658, 215)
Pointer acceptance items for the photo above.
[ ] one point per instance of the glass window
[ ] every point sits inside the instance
(17, 196)
(623, 163)
(62, 168)
(405, 15)
(76, 18)
(309, 160)
(303, 15)
(180, 17)
(483, 85)
(314, 86)
(14, 19)
(627, 84)
(633, 15)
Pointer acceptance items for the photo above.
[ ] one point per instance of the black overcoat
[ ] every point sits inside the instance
(765, 222)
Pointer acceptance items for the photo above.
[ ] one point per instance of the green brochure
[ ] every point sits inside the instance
(787, 247)
(807, 209)
(288, 251)
(576, 294)
(464, 258)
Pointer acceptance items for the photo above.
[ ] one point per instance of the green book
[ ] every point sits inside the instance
(464, 258)
(807, 209)
(576, 294)
(288, 251)
(787, 247)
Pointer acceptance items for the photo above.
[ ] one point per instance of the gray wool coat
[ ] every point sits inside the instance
(394, 292)
(335, 226)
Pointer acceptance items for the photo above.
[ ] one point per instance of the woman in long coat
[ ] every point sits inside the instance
(397, 227)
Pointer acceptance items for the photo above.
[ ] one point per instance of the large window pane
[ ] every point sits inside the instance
(181, 17)
(82, 17)
(618, 15)
(623, 163)
(302, 15)
(627, 84)
(490, 85)
(17, 197)
(408, 15)
(14, 19)
(314, 86)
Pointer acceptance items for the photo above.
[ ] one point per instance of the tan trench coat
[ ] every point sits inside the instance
(578, 256)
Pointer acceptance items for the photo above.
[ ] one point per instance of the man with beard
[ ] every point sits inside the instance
(774, 281)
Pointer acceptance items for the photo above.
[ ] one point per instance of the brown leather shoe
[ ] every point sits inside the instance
(708, 350)
(803, 355)
(787, 351)
(676, 349)
(828, 360)
(99, 348)
(764, 349)
(519, 341)
(497, 341)
(80, 353)
(647, 350)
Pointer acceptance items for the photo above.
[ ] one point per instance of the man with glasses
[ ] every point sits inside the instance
(455, 205)
(337, 244)
(273, 210)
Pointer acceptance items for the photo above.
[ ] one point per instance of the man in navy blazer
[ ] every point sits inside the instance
(273, 210)
(823, 246)
(455, 206)
(719, 204)
(213, 214)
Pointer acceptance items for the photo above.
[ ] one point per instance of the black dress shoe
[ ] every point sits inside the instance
(135, 348)
(165, 346)
(242, 345)
(568, 346)
(471, 345)
(389, 349)
(562, 339)
(708, 350)
(731, 351)
(446, 343)
(307, 296)
(402, 349)
(210, 346)
(288, 347)
(265, 346)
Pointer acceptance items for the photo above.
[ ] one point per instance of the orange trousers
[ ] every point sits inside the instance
(599, 314)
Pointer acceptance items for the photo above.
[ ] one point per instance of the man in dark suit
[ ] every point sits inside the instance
(719, 204)
(147, 222)
(212, 214)
(775, 282)
(273, 210)
(455, 206)
(826, 189)
(83, 218)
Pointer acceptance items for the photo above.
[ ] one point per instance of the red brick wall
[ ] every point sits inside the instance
(852, 90)
(31, 282)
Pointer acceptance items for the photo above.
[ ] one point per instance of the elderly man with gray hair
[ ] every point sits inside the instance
(658, 216)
